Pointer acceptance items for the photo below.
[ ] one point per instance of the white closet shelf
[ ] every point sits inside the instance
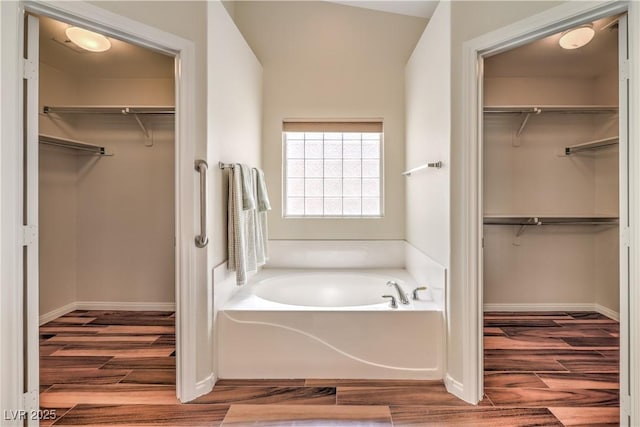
(569, 109)
(525, 222)
(549, 220)
(72, 144)
(133, 111)
(109, 109)
(591, 145)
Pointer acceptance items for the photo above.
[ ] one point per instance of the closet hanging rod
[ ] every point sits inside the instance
(125, 110)
(581, 109)
(591, 145)
(436, 165)
(525, 221)
(73, 145)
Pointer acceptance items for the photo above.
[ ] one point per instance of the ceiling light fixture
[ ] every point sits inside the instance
(577, 37)
(88, 40)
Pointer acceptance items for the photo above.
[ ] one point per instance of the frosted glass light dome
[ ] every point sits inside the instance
(577, 37)
(88, 40)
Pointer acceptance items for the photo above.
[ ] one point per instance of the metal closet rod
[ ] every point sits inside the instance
(524, 221)
(72, 109)
(73, 145)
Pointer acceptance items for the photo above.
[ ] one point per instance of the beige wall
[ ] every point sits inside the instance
(234, 131)
(469, 19)
(107, 223)
(235, 116)
(57, 201)
(428, 132)
(323, 60)
(528, 175)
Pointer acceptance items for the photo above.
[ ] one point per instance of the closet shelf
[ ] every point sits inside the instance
(524, 222)
(550, 220)
(73, 145)
(125, 110)
(591, 145)
(536, 109)
(134, 112)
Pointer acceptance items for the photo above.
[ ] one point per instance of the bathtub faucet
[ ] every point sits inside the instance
(401, 294)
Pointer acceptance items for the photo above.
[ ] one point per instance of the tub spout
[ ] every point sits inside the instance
(403, 297)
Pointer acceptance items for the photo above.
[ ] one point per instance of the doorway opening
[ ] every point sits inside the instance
(553, 199)
(106, 217)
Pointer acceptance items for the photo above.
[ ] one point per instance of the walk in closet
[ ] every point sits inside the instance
(106, 176)
(550, 180)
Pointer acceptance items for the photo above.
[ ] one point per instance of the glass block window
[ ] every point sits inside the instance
(332, 169)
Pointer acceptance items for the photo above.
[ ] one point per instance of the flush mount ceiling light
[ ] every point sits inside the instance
(88, 40)
(577, 37)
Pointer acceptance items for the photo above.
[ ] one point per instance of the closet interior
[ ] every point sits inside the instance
(106, 176)
(550, 180)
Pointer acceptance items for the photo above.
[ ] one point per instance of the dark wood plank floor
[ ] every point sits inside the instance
(541, 369)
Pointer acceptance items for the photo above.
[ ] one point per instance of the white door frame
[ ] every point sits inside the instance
(138, 33)
(546, 23)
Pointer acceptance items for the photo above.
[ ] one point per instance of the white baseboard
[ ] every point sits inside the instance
(454, 387)
(206, 385)
(106, 305)
(554, 307)
(606, 311)
(54, 314)
(125, 306)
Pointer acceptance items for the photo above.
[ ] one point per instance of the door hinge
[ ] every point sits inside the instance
(625, 237)
(30, 401)
(624, 70)
(625, 405)
(29, 69)
(29, 235)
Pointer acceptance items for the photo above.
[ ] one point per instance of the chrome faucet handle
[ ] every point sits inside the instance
(415, 292)
(393, 303)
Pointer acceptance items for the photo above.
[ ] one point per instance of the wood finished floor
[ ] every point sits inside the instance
(118, 368)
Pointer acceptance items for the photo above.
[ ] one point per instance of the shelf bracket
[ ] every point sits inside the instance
(145, 131)
(536, 111)
(530, 221)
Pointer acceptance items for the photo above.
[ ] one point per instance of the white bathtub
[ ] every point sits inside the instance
(329, 324)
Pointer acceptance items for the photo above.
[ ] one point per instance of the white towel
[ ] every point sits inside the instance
(262, 201)
(236, 239)
(247, 228)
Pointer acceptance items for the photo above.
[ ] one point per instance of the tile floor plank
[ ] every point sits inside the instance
(175, 415)
(546, 397)
(472, 417)
(509, 379)
(261, 383)
(115, 394)
(587, 416)
(577, 380)
(270, 395)
(149, 376)
(95, 376)
(303, 415)
(435, 395)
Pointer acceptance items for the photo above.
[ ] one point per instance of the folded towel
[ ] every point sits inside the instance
(236, 235)
(248, 200)
(262, 195)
